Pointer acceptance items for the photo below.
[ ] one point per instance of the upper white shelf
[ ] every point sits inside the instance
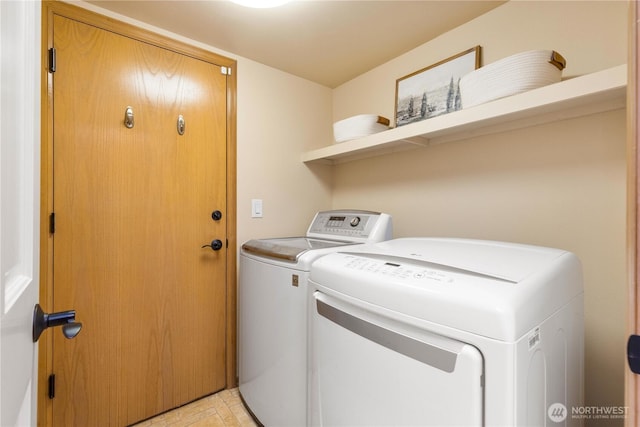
(592, 93)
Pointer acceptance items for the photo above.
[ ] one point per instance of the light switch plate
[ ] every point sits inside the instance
(256, 208)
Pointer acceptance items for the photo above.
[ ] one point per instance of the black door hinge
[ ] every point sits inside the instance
(52, 60)
(52, 222)
(52, 386)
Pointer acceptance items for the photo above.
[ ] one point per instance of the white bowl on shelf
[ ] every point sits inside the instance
(359, 126)
(511, 75)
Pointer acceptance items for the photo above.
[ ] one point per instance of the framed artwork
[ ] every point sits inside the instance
(434, 90)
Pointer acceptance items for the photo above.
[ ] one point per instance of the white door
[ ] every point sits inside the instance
(19, 207)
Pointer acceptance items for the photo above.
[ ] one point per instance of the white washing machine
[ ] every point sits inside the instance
(446, 332)
(272, 305)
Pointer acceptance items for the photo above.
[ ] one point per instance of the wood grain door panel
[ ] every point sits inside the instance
(133, 208)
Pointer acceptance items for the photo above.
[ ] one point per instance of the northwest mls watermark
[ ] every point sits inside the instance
(557, 412)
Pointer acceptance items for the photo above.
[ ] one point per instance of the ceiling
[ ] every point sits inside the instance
(326, 41)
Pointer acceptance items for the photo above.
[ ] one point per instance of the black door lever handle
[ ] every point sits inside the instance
(215, 245)
(66, 319)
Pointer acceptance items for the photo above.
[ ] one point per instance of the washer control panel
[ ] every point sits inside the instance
(352, 225)
(342, 222)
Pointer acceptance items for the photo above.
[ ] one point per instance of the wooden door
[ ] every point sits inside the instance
(133, 208)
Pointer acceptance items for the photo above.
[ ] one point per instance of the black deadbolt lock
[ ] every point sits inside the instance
(216, 215)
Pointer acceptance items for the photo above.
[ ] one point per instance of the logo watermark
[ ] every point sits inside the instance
(557, 412)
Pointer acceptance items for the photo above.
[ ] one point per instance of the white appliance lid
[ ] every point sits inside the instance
(288, 248)
(507, 261)
(494, 289)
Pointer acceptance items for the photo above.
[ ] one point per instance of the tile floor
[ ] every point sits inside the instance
(223, 409)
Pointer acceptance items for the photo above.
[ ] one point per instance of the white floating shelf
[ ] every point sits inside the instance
(580, 96)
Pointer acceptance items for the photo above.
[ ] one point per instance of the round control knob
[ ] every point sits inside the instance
(355, 221)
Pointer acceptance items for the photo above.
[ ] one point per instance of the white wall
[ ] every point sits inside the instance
(279, 117)
(591, 35)
(559, 185)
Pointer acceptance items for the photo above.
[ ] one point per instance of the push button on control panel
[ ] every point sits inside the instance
(391, 269)
(342, 225)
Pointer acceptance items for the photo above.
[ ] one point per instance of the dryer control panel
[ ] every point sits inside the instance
(351, 225)
(397, 269)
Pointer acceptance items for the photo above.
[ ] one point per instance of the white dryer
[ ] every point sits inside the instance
(272, 306)
(446, 332)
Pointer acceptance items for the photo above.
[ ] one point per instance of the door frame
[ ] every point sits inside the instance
(632, 381)
(49, 9)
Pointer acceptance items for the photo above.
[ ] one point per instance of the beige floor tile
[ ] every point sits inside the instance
(223, 409)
